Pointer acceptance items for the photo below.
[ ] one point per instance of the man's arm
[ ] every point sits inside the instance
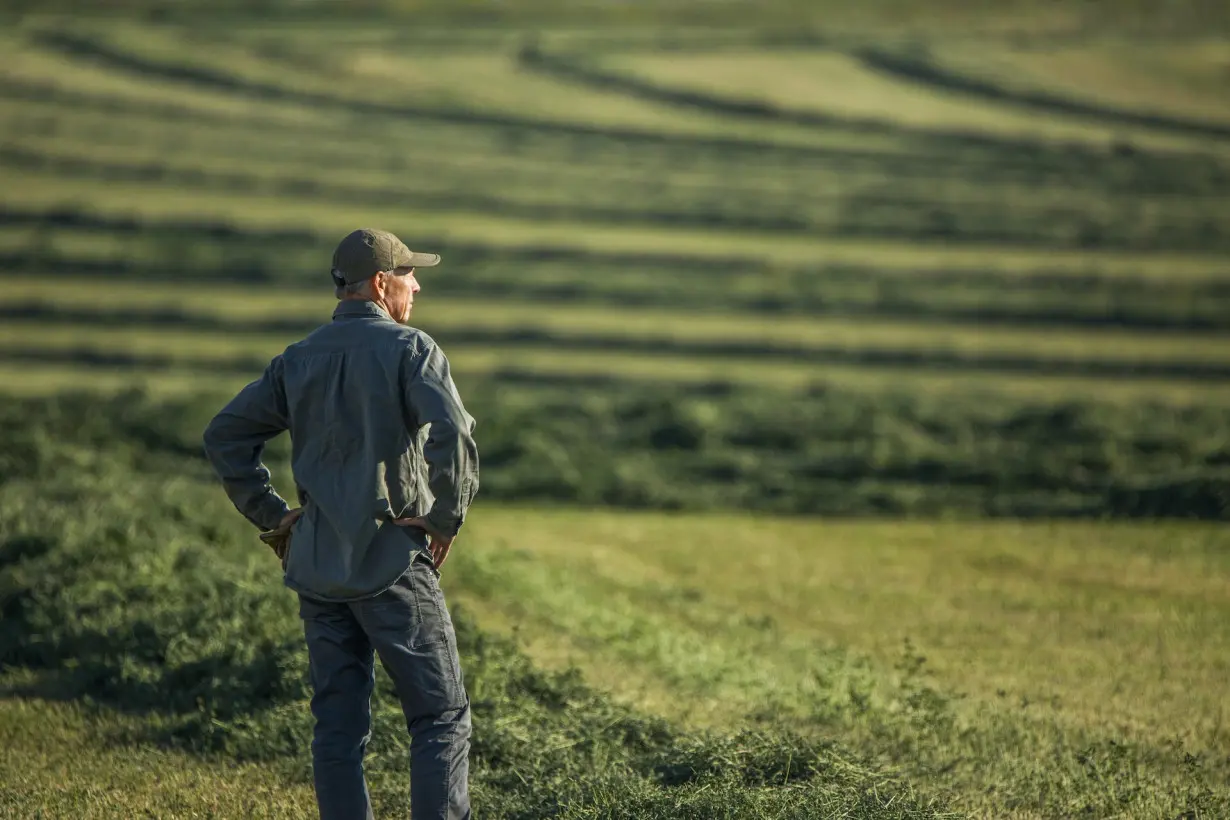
(235, 440)
(452, 456)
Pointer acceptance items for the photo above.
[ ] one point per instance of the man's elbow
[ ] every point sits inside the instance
(213, 439)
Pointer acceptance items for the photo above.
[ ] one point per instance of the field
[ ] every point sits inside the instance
(853, 389)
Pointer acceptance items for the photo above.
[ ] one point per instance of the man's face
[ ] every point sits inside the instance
(399, 290)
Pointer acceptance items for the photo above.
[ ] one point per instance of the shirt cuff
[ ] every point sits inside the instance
(443, 523)
(270, 512)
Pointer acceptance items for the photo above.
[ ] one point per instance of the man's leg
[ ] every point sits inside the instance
(342, 670)
(410, 628)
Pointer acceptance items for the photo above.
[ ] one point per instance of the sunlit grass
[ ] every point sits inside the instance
(56, 761)
(181, 371)
(837, 83)
(1096, 624)
(246, 307)
(484, 80)
(1179, 78)
(262, 211)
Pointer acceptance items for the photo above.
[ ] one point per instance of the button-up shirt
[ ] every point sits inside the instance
(378, 432)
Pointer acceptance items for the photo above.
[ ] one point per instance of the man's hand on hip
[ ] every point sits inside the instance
(279, 539)
(290, 518)
(440, 543)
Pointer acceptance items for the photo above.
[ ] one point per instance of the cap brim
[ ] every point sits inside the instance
(421, 260)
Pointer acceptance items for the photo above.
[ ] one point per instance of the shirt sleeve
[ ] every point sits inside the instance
(450, 451)
(235, 441)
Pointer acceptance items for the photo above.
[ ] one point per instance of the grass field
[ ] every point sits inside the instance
(951, 653)
(853, 388)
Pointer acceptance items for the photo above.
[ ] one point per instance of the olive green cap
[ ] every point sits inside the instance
(364, 253)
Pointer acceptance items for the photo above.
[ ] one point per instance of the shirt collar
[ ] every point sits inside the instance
(359, 308)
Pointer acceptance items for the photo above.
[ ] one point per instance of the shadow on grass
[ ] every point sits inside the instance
(1138, 173)
(1037, 156)
(218, 668)
(910, 69)
(639, 347)
(906, 216)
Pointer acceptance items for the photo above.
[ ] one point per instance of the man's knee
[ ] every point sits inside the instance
(452, 724)
(338, 743)
(343, 726)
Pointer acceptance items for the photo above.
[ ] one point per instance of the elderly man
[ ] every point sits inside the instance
(385, 468)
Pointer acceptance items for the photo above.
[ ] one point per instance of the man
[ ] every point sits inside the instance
(385, 468)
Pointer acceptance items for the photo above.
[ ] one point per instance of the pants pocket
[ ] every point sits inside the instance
(410, 629)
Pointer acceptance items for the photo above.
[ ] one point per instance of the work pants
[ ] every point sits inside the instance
(409, 627)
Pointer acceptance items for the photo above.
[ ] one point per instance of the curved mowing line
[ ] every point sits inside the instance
(635, 346)
(1070, 315)
(909, 292)
(78, 47)
(299, 187)
(922, 72)
(288, 241)
(1036, 154)
(570, 70)
(1148, 174)
(1036, 230)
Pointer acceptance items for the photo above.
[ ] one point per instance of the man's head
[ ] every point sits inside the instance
(378, 267)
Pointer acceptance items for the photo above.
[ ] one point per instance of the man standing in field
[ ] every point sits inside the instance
(385, 468)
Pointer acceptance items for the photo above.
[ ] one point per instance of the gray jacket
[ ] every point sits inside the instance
(378, 432)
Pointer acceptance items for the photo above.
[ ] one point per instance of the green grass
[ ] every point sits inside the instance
(195, 639)
(482, 80)
(1098, 624)
(659, 611)
(1038, 637)
(234, 357)
(1007, 669)
(473, 20)
(670, 373)
(440, 315)
(575, 181)
(839, 84)
(265, 211)
(43, 379)
(169, 195)
(1181, 79)
(58, 762)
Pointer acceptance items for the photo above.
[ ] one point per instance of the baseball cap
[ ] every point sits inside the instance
(365, 252)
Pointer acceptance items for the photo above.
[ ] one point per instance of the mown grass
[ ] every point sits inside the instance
(1066, 663)
(1039, 678)
(838, 83)
(33, 379)
(113, 252)
(267, 210)
(1096, 624)
(41, 373)
(59, 760)
(473, 20)
(1180, 79)
(259, 319)
(1069, 209)
(154, 56)
(158, 610)
(760, 666)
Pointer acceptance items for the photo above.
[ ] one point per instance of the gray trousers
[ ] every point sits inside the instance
(409, 627)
